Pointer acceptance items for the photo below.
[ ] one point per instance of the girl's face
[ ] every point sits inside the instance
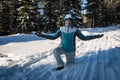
(68, 22)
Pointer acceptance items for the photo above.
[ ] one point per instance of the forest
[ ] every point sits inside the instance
(26, 16)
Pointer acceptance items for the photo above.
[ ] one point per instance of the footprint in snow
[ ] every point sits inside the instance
(3, 55)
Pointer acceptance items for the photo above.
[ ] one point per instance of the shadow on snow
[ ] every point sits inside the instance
(19, 38)
(101, 65)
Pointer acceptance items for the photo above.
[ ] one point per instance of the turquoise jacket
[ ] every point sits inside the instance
(68, 36)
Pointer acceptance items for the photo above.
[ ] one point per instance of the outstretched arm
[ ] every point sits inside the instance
(50, 36)
(81, 36)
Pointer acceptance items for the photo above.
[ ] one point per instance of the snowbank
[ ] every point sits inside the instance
(28, 57)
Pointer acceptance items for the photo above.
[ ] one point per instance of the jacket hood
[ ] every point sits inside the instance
(69, 16)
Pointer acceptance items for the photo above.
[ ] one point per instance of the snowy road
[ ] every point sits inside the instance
(28, 57)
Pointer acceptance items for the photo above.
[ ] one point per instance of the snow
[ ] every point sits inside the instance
(28, 57)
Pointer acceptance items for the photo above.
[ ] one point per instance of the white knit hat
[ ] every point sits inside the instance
(68, 16)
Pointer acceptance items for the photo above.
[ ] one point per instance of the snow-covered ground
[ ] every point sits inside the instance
(28, 57)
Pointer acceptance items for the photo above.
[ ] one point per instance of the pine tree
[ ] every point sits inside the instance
(113, 7)
(71, 7)
(118, 12)
(4, 18)
(18, 16)
(96, 13)
(50, 15)
(93, 11)
(27, 12)
(7, 17)
(55, 11)
(13, 16)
